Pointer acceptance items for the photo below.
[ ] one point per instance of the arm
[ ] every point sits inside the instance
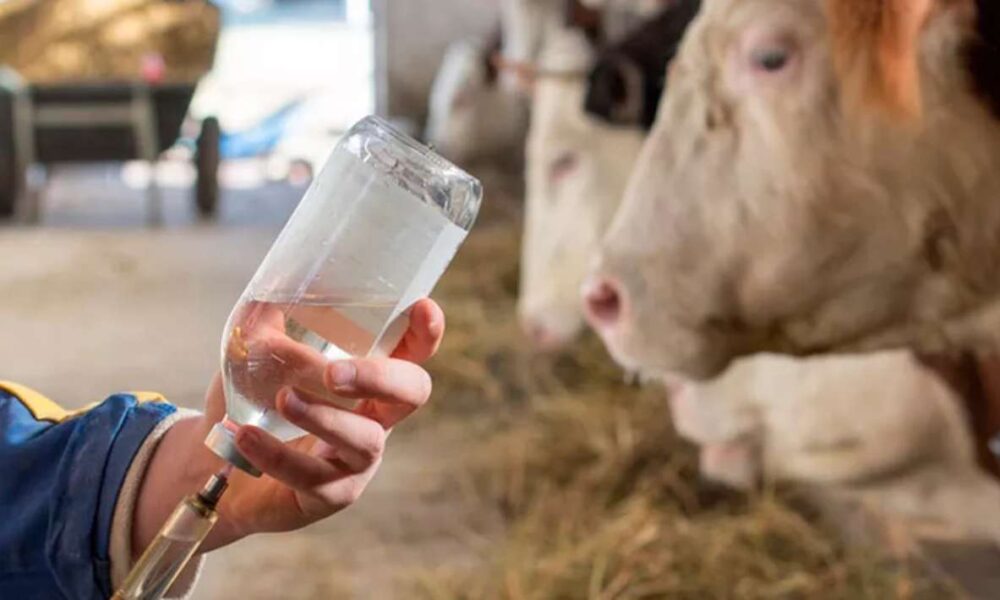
(89, 490)
(60, 476)
(310, 478)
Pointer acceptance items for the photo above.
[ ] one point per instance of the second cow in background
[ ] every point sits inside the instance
(576, 172)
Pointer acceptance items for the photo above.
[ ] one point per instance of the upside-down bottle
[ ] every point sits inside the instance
(373, 234)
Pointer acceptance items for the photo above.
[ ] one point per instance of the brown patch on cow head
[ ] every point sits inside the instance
(875, 45)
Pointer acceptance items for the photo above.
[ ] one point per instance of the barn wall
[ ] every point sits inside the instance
(410, 39)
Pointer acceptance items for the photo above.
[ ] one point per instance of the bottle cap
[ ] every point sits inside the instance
(222, 441)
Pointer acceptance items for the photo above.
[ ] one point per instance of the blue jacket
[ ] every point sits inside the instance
(60, 474)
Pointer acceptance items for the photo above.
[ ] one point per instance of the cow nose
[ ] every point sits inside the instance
(542, 337)
(603, 299)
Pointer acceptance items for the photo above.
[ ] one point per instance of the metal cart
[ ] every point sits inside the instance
(73, 123)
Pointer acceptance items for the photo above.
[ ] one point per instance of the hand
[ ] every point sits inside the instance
(314, 476)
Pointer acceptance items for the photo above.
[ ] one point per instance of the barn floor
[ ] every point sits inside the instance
(529, 477)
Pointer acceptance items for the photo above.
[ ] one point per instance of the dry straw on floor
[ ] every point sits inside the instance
(600, 499)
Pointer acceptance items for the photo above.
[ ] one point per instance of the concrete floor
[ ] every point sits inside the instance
(92, 302)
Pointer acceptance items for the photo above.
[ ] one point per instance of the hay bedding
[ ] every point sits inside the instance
(600, 498)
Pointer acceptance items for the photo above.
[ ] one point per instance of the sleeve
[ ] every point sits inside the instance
(61, 474)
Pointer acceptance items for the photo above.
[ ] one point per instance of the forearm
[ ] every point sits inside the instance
(74, 486)
(178, 466)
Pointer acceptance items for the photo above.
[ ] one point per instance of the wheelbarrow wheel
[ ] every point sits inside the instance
(206, 159)
(8, 188)
(10, 180)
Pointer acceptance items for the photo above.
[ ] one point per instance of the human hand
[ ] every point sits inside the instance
(309, 478)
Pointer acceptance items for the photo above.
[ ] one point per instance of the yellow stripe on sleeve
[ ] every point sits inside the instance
(43, 409)
(38, 405)
(144, 397)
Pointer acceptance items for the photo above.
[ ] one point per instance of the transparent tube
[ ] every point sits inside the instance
(372, 235)
(177, 541)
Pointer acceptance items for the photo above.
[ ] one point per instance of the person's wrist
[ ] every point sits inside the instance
(203, 463)
(199, 463)
(178, 467)
(186, 446)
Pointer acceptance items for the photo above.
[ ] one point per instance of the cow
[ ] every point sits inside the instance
(472, 117)
(577, 166)
(576, 172)
(821, 176)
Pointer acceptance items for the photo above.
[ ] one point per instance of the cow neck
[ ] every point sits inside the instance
(975, 379)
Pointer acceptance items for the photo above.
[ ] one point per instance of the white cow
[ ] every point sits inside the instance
(472, 117)
(576, 173)
(882, 427)
(822, 176)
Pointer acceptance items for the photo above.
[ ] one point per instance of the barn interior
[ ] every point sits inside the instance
(164, 145)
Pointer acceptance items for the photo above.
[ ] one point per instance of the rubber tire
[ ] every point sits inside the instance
(9, 189)
(10, 179)
(206, 160)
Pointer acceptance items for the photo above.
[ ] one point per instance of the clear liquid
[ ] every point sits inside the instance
(169, 552)
(159, 568)
(277, 344)
(356, 254)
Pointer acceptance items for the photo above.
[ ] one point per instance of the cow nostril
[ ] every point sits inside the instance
(604, 303)
(542, 337)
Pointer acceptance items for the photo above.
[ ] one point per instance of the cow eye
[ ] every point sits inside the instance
(767, 56)
(562, 166)
(771, 60)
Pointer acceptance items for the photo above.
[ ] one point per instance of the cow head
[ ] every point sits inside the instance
(577, 169)
(821, 175)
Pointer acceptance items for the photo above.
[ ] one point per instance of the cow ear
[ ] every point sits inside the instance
(876, 53)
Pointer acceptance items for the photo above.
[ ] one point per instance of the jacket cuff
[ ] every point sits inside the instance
(120, 547)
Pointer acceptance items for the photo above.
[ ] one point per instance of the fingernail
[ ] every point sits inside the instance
(342, 373)
(292, 404)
